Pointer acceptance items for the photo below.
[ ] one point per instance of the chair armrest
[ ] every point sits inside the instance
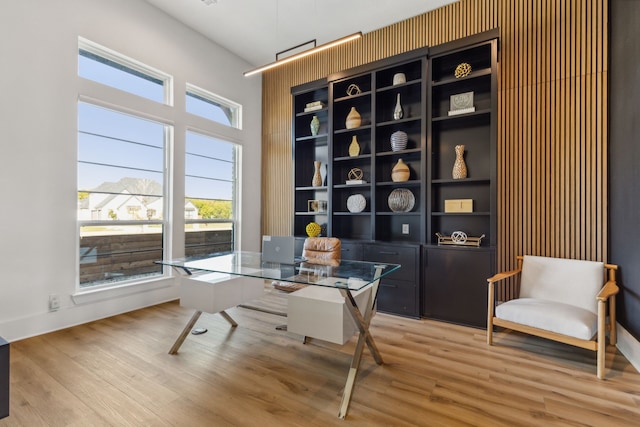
(609, 289)
(503, 275)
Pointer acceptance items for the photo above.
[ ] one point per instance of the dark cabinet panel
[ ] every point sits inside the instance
(455, 284)
(4, 378)
(399, 292)
(396, 297)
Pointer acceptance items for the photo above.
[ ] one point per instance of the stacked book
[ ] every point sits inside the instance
(313, 106)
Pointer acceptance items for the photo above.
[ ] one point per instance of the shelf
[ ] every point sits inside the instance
(338, 131)
(410, 183)
(310, 188)
(352, 97)
(460, 181)
(354, 158)
(321, 139)
(314, 112)
(312, 213)
(453, 80)
(394, 87)
(364, 213)
(459, 116)
(365, 185)
(398, 213)
(460, 213)
(397, 122)
(396, 153)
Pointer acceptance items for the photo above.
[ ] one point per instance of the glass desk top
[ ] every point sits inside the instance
(352, 275)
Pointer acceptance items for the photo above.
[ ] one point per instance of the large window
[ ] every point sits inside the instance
(120, 195)
(210, 188)
(125, 177)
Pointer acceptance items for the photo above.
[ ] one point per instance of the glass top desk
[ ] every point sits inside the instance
(346, 276)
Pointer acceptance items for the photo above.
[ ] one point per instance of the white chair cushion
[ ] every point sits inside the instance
(567, 281)
(551, 316)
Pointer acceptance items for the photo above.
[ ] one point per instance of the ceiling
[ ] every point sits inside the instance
(256, 30)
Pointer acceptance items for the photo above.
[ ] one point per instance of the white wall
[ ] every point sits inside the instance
(39, 90)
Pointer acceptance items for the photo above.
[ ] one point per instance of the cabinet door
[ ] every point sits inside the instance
(455, 284)
(399, 291)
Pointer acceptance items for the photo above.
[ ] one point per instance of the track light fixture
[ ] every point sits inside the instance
(304, 53)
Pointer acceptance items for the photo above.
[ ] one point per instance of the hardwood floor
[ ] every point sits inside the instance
(116, 372)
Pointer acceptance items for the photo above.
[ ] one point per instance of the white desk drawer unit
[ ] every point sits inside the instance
(320, 312)
(215, 292)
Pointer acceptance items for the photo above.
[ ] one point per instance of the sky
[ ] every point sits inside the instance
(134, 146)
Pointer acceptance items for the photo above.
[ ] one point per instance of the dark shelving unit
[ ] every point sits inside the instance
(433, 279)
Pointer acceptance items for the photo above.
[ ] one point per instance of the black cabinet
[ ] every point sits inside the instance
(455, 284)
(310, 201)
(375, 92)
(4, 378)
(399, 291)
(463, 113)
(462, 118)
(413, 109)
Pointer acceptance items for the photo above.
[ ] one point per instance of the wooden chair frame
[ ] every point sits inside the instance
(607, 293)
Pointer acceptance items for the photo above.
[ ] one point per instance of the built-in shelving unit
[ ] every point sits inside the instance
(422, 83)
(448, 293)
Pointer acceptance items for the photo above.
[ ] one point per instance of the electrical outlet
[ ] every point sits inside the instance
(405, 228)
(54, 302)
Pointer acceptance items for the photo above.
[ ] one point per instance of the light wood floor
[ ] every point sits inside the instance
(116, 372)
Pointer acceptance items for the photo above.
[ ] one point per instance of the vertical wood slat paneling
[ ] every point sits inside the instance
(552, 118)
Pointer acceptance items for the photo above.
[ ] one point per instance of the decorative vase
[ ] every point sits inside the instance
(399, 140)
(354, 147)
(315, 125)
(400, 172)
(356, 203)
(353, 119)
(459, 167)
(401, 200)
(399, 78)
(317, 177)
(397, 112)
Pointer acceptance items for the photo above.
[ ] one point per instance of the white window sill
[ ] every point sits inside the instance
(95, 295)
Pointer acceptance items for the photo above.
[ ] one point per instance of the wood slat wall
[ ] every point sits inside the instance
(552, 118)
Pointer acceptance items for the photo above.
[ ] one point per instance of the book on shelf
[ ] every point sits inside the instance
(313, 108)
(313, 104)
(355, 181)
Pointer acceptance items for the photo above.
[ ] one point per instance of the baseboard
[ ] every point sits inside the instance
(628, 346)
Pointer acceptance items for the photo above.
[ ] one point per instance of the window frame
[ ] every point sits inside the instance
(137, 66)
(235, 197)
(167, 197)
(210, 97)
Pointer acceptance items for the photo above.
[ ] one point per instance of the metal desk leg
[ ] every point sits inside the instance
(362, 322)
(228, 319)
(185, 332)
(189, 326)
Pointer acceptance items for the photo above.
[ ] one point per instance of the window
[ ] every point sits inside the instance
(120, 195)
(213, 107)
(210, 194)
(105, 66)
(124, 180)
